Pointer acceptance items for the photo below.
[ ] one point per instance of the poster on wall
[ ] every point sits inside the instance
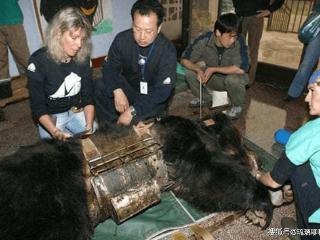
(99, 13)
(172, 22)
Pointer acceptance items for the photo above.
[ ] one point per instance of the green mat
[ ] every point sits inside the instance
(169, 214)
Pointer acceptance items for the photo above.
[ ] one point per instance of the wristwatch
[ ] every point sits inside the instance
(133, 111)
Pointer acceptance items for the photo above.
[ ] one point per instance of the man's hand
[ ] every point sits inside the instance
(208, 73)
(200, 75)
(263, 13)
(121, 102)
(125, 118)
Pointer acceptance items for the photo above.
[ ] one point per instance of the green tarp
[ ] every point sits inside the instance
(164, 216)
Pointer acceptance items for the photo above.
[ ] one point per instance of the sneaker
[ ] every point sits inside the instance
(233, 112)
(290, 223)
(194, 103)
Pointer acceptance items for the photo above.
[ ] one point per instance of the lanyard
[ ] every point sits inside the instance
(142, 60)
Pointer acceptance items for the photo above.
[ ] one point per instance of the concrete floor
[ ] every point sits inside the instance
(282, 49)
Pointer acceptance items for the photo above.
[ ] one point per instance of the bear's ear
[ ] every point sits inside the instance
(74, 146)
(67, 154)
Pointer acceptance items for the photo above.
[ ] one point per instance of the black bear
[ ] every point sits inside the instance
(43, 194)
(211, 166)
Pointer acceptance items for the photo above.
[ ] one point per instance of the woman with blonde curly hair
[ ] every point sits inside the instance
(60, 78)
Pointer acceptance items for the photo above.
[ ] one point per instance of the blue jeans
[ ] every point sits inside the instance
(69, 122)
(310, 59)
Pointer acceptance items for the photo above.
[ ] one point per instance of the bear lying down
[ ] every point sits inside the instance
(43, 193)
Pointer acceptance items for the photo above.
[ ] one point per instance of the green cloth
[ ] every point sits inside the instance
(10, 12)
(181, 84)
(103, 27)
(180, 69)
(166, 215)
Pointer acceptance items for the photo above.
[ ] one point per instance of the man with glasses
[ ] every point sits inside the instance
(224, 67)
(140, 70)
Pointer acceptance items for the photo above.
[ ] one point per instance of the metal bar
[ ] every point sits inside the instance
(291, 16)
(122, 155)
(122, 149)
(131, 159)
(129, 156)
(295, 15)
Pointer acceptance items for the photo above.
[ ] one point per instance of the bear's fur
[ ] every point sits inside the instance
(43, 195)
(208, 176)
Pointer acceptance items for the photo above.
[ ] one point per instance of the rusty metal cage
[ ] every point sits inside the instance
(124, 175)
(291, 16)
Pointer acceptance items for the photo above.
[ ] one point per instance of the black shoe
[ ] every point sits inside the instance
(288, 98)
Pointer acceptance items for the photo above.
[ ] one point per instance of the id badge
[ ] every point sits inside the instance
(143, 87)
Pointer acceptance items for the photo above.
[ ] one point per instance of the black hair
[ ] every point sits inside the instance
(145, 7)
(227, 23)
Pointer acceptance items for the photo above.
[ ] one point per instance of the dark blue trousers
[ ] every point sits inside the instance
(105, 108)
(307, 198)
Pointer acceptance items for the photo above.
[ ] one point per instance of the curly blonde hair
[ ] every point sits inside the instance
(67, 19)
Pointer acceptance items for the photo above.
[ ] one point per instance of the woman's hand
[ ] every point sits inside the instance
(89, 113)
(89, 130)
(60, 135)
(266, 179)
